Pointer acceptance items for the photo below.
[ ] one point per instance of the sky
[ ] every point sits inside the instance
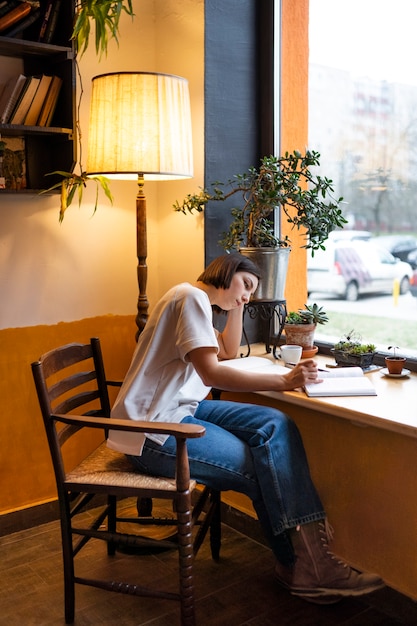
(371, 38)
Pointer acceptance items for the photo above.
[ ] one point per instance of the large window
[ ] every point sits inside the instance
(363, 122)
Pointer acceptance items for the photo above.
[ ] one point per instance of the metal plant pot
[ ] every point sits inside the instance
(273, 265)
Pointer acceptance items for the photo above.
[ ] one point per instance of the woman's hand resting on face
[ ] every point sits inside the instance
(303, 373)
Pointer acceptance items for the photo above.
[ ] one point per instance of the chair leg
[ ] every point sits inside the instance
(144, 507)
(68, 563)
(215, 525)
(211, 521)
(111, 523)
(186, 558)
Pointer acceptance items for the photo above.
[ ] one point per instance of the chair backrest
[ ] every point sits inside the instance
(70, 379)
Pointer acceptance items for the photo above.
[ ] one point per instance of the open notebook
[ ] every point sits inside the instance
(342, 381)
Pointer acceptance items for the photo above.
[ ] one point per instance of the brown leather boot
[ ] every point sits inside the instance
(318, 575)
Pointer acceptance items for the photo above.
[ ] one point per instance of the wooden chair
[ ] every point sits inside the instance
(73, 395)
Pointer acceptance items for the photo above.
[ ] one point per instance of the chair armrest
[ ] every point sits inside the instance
(180, 431)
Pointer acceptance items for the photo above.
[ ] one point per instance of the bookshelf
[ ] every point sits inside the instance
(45, 148)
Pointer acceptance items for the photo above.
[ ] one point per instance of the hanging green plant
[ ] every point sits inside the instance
(72, 183)
(106, 16)
(75, 183)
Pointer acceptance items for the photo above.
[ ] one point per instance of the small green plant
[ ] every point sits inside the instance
(293, 317)
(351, 343)
(394, 350)
(311, 314)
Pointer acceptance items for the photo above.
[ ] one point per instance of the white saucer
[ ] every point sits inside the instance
(404, 374)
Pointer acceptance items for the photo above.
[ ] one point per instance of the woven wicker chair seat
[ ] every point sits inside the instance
(107, 467)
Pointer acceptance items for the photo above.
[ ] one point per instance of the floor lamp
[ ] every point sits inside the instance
(140, 129)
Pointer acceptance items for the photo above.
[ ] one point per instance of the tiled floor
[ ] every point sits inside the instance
(239, 590)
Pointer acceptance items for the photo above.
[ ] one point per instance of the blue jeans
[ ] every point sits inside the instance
(250, 449)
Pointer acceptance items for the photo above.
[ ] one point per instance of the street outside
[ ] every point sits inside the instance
(405, 307)
(381, 320)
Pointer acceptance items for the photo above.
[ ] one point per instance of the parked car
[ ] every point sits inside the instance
(350, 235)
(413, 283)
(400, 246)
(352, 268)
(412, 259)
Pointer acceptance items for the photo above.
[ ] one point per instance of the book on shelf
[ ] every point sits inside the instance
(346, 381)
(35, 108)
(341, 381)
(51, 22)
(11, 94)
(15, 15)
(45, 19)
(7, 5)
(17, 29)
(22, 106)
(50, 102)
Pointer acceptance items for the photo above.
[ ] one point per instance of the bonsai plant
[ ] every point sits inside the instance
(300, 326)
(350, 351)
(288, 183)
(394, 363)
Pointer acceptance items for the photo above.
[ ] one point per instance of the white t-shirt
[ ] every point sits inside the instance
(161, 384)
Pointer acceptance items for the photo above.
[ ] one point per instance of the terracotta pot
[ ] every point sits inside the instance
(395, 364)
(301, 335)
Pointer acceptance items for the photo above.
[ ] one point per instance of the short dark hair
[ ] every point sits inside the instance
(220, 272)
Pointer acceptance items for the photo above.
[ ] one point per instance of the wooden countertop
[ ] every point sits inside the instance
(394, 407)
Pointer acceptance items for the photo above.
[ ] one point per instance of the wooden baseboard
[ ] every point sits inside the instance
(49, 512)
(28, 518)
(34, 516)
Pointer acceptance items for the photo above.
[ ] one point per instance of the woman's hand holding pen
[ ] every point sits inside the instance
(305, 372)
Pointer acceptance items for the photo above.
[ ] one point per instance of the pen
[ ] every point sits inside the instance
(291, 365)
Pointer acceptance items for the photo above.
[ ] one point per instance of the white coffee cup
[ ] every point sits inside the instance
(291, 354)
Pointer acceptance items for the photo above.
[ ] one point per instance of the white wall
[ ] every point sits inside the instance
(86, 266)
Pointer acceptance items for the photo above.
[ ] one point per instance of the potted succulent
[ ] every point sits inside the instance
(288, 183)
(300, 326)
(394, 363)
(351, 352)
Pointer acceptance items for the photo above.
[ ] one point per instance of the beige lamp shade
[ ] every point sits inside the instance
(140, 123)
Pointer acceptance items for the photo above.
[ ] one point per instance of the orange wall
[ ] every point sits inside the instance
(25, 468)
(294, 125)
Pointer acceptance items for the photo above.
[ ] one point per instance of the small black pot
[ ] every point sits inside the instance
(345, 359)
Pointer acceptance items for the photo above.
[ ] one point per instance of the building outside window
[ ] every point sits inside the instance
(363, 122)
